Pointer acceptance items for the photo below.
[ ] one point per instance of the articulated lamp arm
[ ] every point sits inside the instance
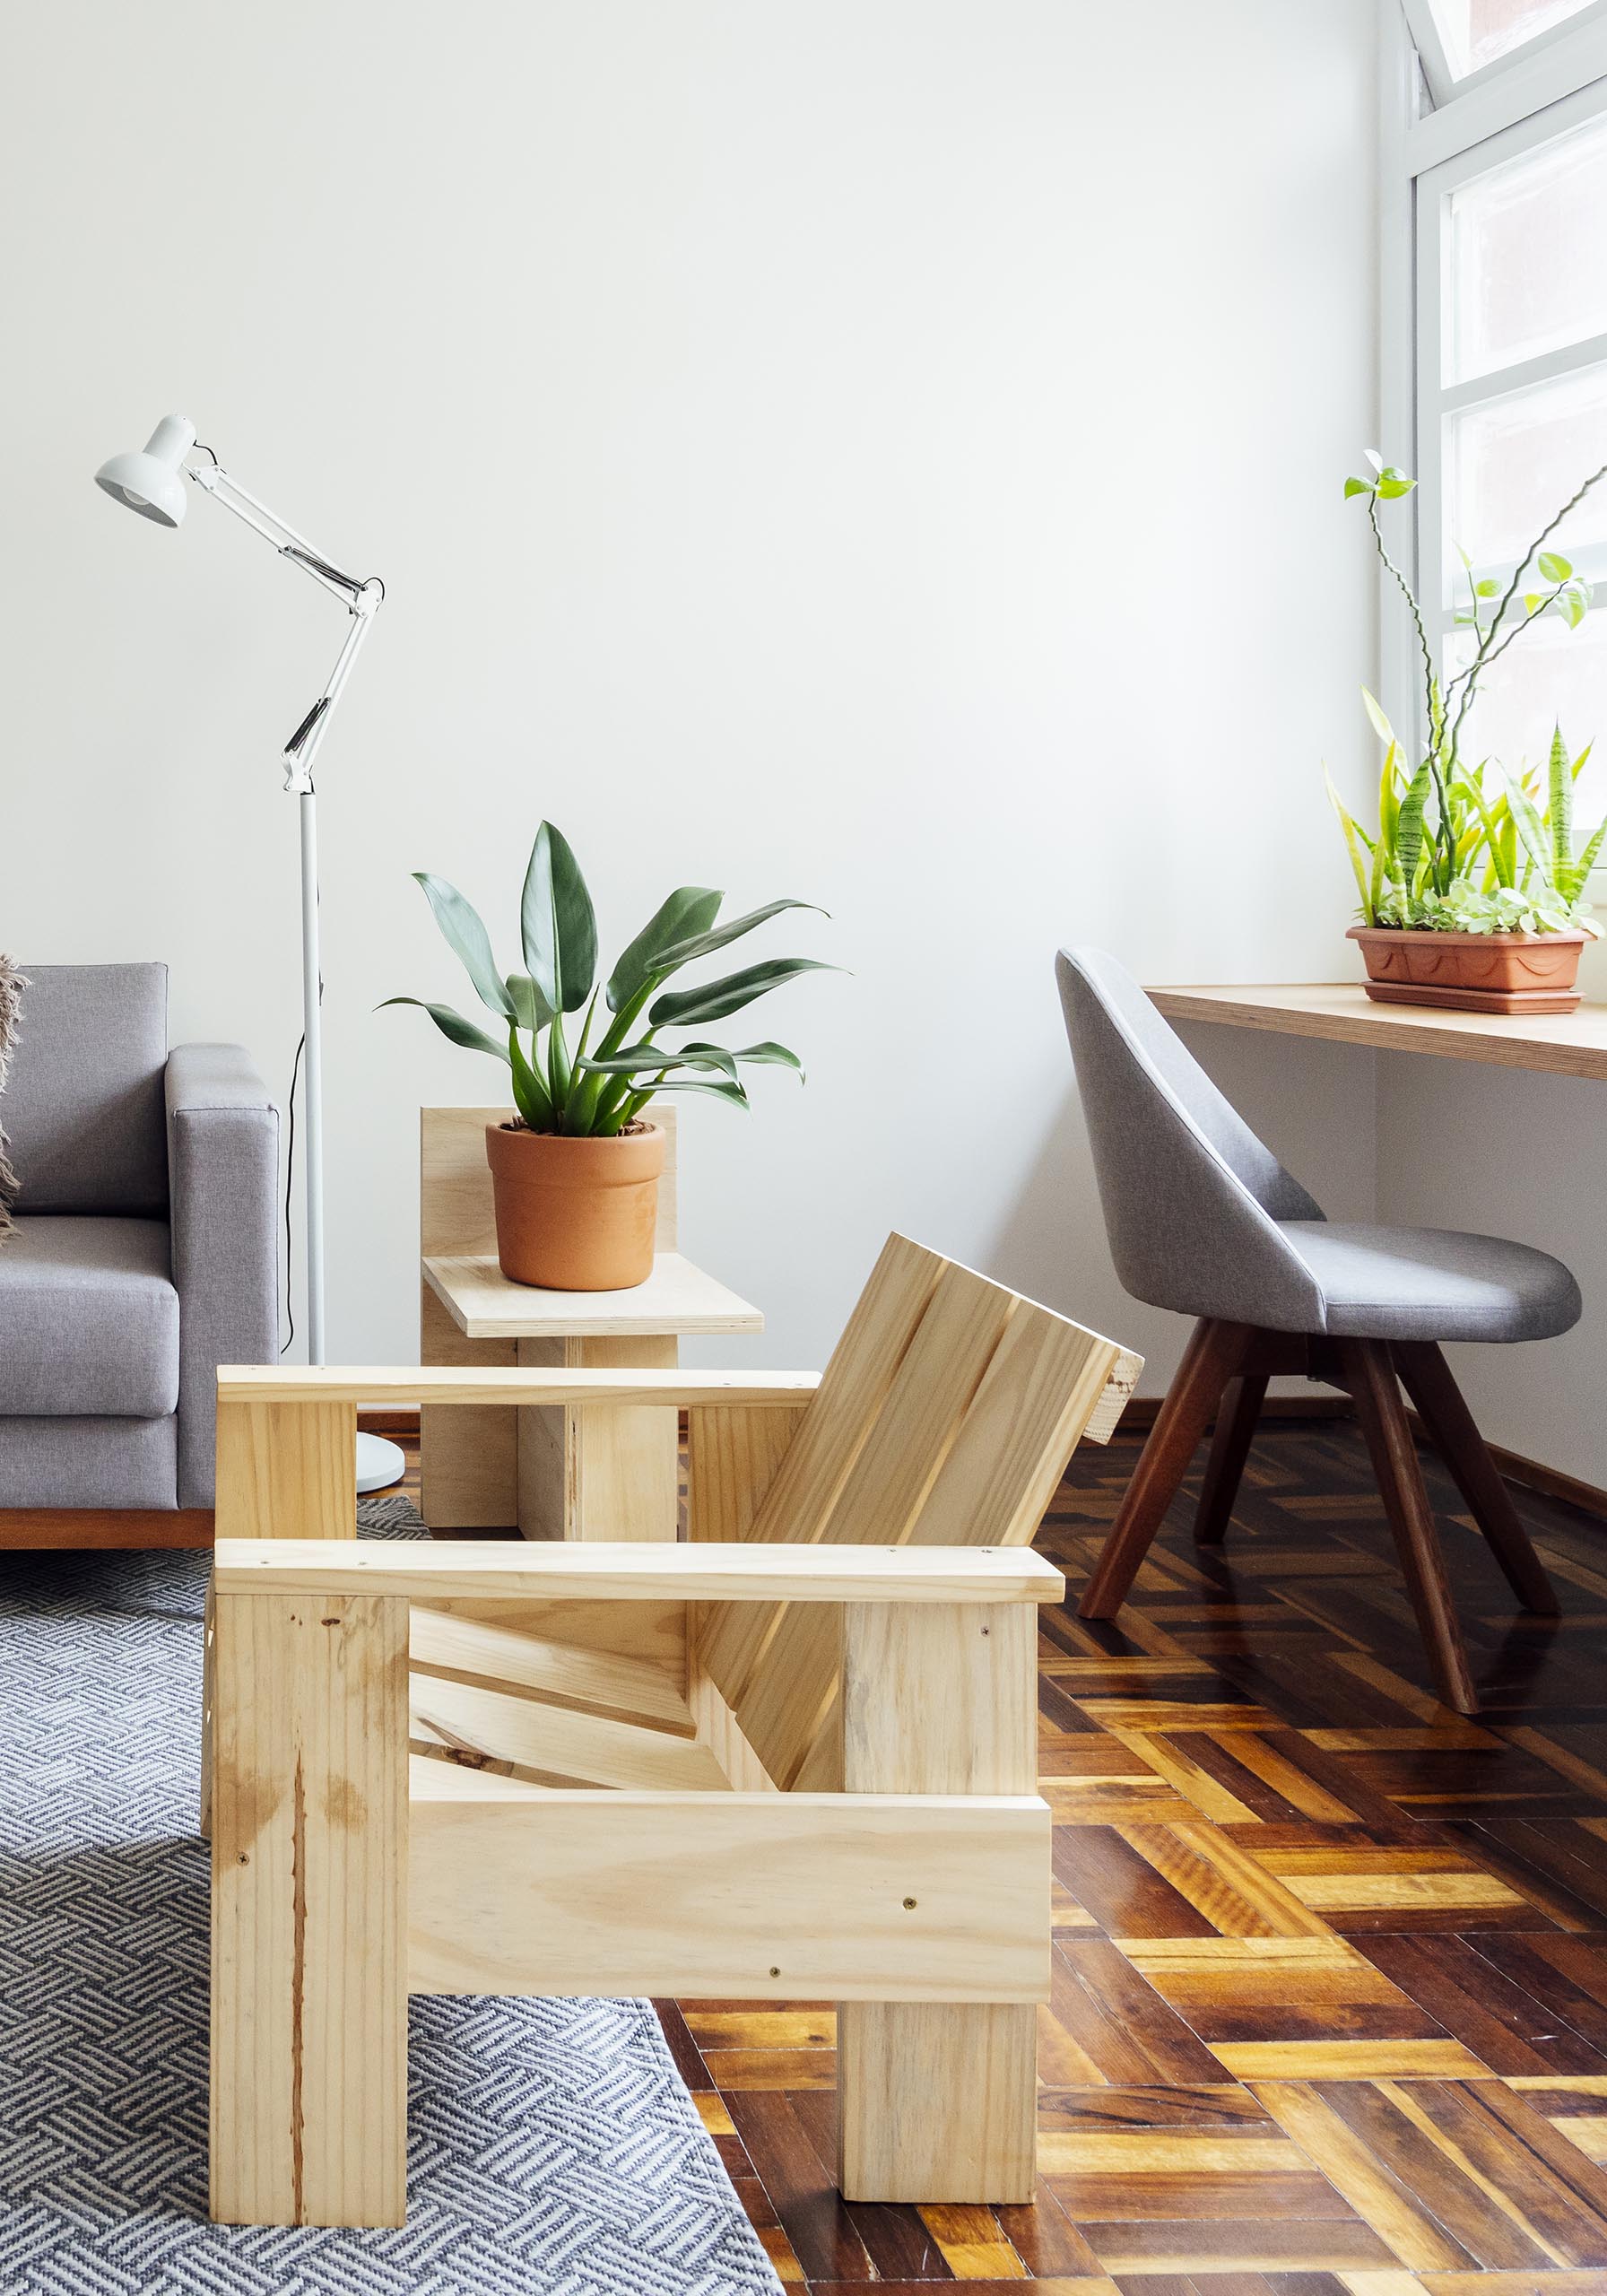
(362, 597)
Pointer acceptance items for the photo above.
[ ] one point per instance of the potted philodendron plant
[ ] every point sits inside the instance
(1473, 884)
(576, 1174)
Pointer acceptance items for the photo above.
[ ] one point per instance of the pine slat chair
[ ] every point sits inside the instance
(794, 1756)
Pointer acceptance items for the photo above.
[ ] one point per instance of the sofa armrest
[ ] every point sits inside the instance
(223, 1193)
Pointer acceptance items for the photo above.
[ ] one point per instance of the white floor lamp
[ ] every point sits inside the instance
(152, 484)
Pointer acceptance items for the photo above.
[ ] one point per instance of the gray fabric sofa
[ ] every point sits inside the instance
(145, 1252)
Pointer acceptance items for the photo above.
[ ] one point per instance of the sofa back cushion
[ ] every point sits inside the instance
(84, 1117)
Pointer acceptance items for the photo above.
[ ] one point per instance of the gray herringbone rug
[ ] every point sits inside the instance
(552, 2146)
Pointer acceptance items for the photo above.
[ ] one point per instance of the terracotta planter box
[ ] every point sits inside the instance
(1471, 972)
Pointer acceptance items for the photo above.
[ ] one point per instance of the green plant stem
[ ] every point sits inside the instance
(1435, 715)
(529, 1092)
(558, 1069)
(600, 1092)
(579, 1078)
(1485, 652)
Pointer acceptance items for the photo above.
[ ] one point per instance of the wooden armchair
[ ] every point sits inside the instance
(794, 1756)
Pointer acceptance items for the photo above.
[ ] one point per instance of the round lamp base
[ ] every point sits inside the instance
(379, 1464)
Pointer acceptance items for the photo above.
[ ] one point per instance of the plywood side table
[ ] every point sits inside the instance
(556, 1473)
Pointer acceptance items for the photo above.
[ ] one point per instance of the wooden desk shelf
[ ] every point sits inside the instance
(1559, 1044)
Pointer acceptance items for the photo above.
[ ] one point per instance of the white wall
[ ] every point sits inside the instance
(881, 450)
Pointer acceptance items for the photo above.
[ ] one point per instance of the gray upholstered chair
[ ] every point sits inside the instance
(144, 1254)
(1204, 1219)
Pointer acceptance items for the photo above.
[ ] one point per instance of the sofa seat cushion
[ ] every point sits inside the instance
(89, 1320)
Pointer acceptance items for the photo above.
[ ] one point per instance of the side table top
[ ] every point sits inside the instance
(677, 1297)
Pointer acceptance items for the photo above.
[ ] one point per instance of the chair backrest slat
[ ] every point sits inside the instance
(945, 1418)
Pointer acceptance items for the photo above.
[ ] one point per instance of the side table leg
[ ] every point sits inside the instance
(468, 1471)
(603, 1474)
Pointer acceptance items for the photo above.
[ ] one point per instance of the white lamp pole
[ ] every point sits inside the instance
(152, 484)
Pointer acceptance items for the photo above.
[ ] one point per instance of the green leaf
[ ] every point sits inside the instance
(1573, 605)
(708, 1055)
(1354, 843)
(1578, 874)
(722, 1089)
(1389, 803)
(717, 999)
(769, 1055)
(558, 924)
(1354, 486)
(464, 934)
(703, 944)
(1409, 829)
(1553, 566)
(531, 1006)
(1491, 819)
(1392, 484)
(1560, 813)
(1530, 828)
(1379, 722)
(690, 910)
(452, 1026)
(631, 1060)
(1487, 590)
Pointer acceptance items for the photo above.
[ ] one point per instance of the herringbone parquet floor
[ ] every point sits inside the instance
(1330, 2015)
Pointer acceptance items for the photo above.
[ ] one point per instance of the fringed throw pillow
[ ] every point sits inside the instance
(11, 985)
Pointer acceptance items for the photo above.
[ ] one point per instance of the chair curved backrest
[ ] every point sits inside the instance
(1191, 1196)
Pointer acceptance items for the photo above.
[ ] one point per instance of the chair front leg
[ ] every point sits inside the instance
(1368, 1372)
(1212, 1357)
(937, 2101)
(309, 1909)
(1428, 1381)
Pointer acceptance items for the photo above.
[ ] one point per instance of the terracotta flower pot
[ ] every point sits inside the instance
(1471, 972)
(575, 1215)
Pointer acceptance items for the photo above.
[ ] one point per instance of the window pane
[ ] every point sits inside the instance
(1552, 675)
(1513, 466)
(1529, 254)
(1476, 31)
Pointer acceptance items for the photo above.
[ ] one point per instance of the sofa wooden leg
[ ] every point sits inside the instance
(1236, 1418)
(309, 1909)
(1429, 1381)
(1211, 1360)
(1368, 1372)
(938, 2102)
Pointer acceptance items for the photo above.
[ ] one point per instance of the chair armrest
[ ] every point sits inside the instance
(222, 1190)
(433, 1384)
(650, 1570)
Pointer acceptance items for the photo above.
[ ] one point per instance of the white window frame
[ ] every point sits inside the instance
(1436, 134)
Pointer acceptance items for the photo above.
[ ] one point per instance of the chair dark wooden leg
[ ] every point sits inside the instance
(1366, 1370)
(1236, 1418)
(1212, 1357)
(1429, 1381)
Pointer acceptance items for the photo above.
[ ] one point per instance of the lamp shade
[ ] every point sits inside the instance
(152, 482)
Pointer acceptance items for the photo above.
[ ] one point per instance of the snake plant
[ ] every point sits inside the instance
(596, 1089)
(1455, 850)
